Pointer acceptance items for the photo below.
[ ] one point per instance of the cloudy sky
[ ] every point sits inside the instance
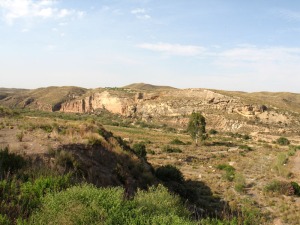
(220, 44)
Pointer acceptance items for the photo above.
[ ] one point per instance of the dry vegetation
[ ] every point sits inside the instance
(249, 176)
(256, 165)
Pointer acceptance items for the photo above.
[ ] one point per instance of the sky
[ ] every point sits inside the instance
(219, 44)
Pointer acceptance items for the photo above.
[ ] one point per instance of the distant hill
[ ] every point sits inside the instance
(148, 87)
(48, 98)
(5, 92)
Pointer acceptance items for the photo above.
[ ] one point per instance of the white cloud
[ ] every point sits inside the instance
(140, 13)
(23, 9)
(64, 12)
(47, 12)
(143, 17)
(173, 49)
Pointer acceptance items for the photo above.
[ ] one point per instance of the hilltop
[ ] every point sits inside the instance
(148, 87)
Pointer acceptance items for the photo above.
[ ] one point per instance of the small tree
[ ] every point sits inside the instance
(196, 126)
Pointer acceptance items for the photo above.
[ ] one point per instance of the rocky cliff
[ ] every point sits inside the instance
(173, 106)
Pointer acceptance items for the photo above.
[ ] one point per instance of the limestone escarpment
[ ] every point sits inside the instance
(98, 100)
(174, 106)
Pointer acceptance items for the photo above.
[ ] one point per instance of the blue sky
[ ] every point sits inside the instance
(220, 44)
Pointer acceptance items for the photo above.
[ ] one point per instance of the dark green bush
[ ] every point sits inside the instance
(10, 162)
(176, 141)
(46, 127)
(212, 131)
(282, 141)
(237, 135)
(66, 160)
(4, 220)
(293, 149)
(140, 149)
(170, 149)
(296, 188)
(245, 147)
(230, 171)
(92, 140)
(169, 173)
(19, 198)
(280, 187)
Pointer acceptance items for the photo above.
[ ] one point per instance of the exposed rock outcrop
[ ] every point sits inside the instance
(174, 106)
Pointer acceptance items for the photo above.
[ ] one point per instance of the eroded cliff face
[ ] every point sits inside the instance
(173, 106)
(99, 100)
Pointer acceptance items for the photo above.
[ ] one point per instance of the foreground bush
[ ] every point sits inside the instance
(10, 162)
(19, 199)
(169, 173)
(89, 205)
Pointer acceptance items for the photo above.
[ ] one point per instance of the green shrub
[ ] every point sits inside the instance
(293, 149)
(161, 207)
(46, 127)
(20, 136)
(140, 149)
(151, 152)
(282, 159)
(280, 167)
(296, 188)
(4, 220)
(66, 160)
(282, 141)
(19, 198)
(10, 162)
(170, 149)
(245, 147)
(230, 171)
(92, 140)
(212, 131)
(169, 173)
(89, 205)
(237, 135)
(280, 187)
(31, 192)
(240, 182)
(176, 141)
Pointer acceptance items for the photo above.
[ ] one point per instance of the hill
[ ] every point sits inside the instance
(147, 87)
(49, 98)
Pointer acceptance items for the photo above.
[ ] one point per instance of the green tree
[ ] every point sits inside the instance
(196, 126)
